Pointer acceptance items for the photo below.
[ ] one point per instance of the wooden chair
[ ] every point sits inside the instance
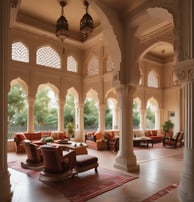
(58, 164)
(34, 159)
(175, 141)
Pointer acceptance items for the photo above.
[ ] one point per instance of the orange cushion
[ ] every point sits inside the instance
(98, 135)
(20, 136)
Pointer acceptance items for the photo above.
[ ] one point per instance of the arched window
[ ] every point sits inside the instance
(109, 64)
(19, 52)
(93, 66)
(152, 79)
(71, 64)
(47, 56)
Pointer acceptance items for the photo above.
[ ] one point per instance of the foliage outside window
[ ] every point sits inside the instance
(90, 115)
(150, 118)
(45, 115)
(136, 116)
(17, 110)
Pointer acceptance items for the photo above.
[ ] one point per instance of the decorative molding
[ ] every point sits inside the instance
(184, 70)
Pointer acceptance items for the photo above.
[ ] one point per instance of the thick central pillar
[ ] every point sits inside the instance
(185, 74)
(5, 187)
(126, 159)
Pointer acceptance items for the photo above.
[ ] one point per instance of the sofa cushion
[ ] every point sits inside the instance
(99, 135)
(20, 136)
(85, 159)
(33, 136)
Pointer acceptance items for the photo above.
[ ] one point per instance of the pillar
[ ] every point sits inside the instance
(157, 119)
(185, 74)
(101, 117)
(142, 119)
(61, 104)
(80, 122)
(115, 116)
(5, 187)
(126, 159)
(30, 121)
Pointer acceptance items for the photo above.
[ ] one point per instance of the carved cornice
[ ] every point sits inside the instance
(184, 70)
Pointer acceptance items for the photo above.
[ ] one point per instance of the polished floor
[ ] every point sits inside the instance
(159, 167)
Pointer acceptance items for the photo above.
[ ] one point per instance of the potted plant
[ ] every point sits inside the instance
(167, 126)
(70, 129)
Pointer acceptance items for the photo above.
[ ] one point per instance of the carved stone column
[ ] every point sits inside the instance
(142, 119)
(126, 159)
(101, 117)
(80, 122)
(185, 73)
(5, 187)
(157, 119)
(30, 121)
(61, 104)
(115, 117)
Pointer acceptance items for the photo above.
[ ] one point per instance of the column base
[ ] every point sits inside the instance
(5, 187)
(185, 188)
(126, 162)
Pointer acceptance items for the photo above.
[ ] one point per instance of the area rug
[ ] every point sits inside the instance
(160, 193)
(84, 186)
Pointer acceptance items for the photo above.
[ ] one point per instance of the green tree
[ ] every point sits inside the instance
(90, 114)
(41, 107)
(108, 118)
(69, 109)
(136, 116)
(150, 118)
(17, 106)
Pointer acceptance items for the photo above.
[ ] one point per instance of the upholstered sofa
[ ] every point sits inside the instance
(156, 135)
(95, 140)
(112, 137)
(37, 138)
(102, 140)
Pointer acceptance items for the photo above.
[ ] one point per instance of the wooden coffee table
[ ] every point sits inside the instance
(79, 147)
(142, 141)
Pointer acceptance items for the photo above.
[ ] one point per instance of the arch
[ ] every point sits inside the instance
(72, 65)
(93, 66)
(152, 119)
(47, 56)
(74, 93)
(52, 87)
(138, 101)
(19, 52)
(152, 79)
(93, 95)
(113, 36)
(21, 82)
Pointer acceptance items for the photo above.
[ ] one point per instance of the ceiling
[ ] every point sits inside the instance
(40, 16)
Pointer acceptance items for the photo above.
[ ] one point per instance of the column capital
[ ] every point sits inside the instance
(184, 70)
(126, 89)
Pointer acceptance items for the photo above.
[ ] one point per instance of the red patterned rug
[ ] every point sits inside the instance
(161, 193)
(84, 186)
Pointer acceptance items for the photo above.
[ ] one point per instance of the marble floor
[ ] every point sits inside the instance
(158, 168)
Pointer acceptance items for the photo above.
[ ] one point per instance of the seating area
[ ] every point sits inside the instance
(107, 140)
(156, 135)
(55, 163)
(175, 141)
(37, 138)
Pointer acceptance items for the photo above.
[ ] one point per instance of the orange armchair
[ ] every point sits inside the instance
(175, 141)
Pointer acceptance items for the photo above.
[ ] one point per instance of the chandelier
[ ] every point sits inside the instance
(62, 27)
(86, 23)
